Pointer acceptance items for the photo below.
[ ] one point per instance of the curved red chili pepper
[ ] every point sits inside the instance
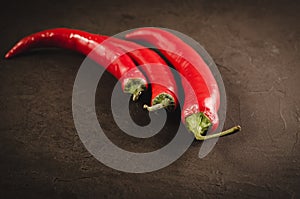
(164, 89)
(119, 64)
(200, 113)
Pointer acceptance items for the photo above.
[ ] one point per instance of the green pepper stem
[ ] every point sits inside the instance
(164, 103)
(136, 94)
(223, 133)
(199, 123)
(135, 87)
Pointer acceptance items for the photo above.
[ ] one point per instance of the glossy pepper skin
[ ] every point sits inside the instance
(118, 64)
(201, 104)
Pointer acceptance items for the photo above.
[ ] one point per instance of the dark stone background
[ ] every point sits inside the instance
(256, 45)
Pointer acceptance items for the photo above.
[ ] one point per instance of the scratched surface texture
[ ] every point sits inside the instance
(256, 45)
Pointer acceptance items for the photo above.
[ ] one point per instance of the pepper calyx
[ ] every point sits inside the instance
(162, 100)
(198, 123)
(135, 87)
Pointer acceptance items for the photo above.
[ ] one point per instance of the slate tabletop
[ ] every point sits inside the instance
(256, 46)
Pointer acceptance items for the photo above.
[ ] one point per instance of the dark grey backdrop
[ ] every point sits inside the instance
(257, 48)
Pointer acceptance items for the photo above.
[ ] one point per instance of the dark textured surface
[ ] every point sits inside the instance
(257, 49)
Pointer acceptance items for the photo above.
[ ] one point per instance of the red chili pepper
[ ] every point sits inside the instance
(164, 89)
(200, 113)
(119, 64)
